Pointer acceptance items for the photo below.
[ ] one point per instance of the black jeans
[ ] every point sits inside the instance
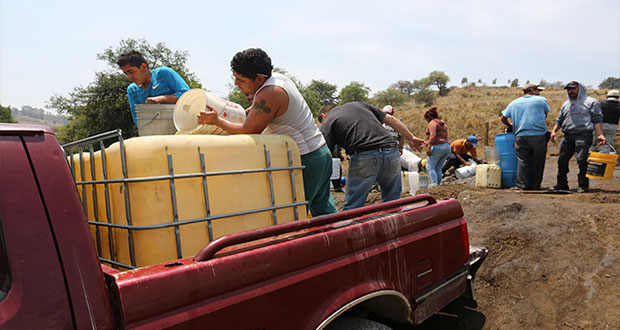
(578, 143)
(531, 153)
(453, 161)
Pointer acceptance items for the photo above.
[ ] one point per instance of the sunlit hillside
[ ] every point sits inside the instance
(468, 110)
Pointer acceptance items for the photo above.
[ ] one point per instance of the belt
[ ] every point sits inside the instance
(379, 149)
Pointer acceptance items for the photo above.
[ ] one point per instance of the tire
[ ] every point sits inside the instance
(354, 323)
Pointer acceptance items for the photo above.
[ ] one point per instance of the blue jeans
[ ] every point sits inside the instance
(365, 168)
(609, 131)
(434, 162)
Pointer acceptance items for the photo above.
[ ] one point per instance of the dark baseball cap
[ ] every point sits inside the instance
(572, 84)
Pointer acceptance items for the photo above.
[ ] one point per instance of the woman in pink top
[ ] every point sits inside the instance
(437, 145)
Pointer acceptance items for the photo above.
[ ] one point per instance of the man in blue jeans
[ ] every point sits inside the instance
(579, 116)
(374, 156)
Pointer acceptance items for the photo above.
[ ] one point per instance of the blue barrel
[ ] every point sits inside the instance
(505, 148)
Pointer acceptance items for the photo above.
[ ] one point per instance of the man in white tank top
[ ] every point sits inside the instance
(278, 108)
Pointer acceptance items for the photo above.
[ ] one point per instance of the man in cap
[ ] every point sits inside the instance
(579, 116)
(611, 112)
(460, 153)
(397, 136)
(528, 114)
(408, 160)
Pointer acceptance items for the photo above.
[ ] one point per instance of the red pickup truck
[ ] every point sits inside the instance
(386, 264)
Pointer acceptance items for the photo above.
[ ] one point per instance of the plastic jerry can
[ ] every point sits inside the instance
(488, 176)
(410, 182)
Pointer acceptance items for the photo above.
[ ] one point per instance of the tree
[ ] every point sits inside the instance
(326, 92)
(464, 81)
(514, 83)
(494, 81)
(423, 95)
(557, 84)
(610, 83)
(6, 116)
(310, 96)
(103, 105)
(354, 91)
(389, 96)
(156, 56)
(404, 86)
(235, 95)
(440, 80)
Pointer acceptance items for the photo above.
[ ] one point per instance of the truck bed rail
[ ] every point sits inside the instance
(212, 248)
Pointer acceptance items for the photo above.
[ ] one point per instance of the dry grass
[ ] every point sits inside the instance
(468, 110)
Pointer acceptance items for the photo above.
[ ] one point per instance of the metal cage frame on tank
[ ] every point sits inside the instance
(93, 181)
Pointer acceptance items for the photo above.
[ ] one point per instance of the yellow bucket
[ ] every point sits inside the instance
(601, 166)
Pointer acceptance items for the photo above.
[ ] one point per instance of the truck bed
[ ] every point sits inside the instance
(400, 250)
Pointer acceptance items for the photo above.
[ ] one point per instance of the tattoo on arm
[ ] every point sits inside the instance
(261, 105)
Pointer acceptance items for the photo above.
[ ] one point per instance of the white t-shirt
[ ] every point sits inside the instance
(297, 122)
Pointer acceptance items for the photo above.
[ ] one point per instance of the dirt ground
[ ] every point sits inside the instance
(554, 259)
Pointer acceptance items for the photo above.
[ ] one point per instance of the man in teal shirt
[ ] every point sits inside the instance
(161, 85)
(528, 114)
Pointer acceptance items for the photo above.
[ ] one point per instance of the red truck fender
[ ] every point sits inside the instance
(388, 304)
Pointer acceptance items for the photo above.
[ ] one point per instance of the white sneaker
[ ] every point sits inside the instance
(432, 185)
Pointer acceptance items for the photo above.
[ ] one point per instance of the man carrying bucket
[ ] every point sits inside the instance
(578, 117)
(160, 85)
(279, 108)
(611, 113)
(528, 114)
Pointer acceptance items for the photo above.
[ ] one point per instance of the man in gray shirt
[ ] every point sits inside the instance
(579, 116)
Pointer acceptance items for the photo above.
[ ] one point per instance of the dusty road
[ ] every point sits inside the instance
(554, 260)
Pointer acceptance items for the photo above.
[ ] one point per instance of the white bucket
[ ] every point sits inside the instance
(410, 182)
(466, 171)
(424, 180)
(155, 119)
(192, 102)
(335, 169)
(491, 155)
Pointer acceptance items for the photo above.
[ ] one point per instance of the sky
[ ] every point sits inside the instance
(48, 48)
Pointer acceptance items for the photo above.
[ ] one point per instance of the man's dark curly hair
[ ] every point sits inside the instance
(251, 63)
(132, 57)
